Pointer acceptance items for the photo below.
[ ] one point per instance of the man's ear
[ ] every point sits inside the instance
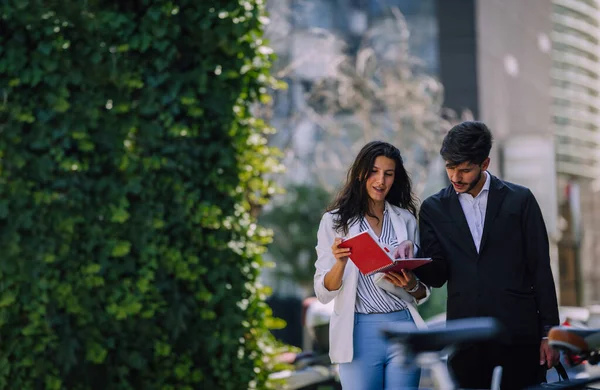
(485, 164)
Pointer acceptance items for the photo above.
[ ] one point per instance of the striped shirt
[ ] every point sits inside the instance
(369, 297)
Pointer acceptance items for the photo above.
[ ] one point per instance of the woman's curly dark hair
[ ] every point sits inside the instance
(352, 202)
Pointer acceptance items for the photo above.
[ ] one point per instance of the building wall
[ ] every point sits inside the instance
(576, 122)
(576, 86)
(458, 54)
(514, 61)
(589, 244)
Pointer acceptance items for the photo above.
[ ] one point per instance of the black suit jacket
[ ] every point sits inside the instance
(510, 278)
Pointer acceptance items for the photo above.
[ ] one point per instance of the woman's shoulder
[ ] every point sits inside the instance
(330, 213)
(404, 213)
(329, 216)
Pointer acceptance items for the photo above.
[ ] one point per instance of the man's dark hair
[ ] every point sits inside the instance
(468, 141)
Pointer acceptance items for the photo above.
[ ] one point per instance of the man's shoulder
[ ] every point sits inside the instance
(436, 198)
(513, 188)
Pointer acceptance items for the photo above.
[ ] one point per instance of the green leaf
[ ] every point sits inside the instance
(95, 353)
(7, 299)
(121, 249)
(119, 215)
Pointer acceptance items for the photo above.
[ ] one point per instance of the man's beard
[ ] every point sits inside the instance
(474, 182)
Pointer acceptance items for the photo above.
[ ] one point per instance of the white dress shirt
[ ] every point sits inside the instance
(474, 209)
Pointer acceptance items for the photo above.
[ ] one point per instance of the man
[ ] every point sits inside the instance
(488, 240)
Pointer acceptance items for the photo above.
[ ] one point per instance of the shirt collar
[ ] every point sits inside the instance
(486, 185)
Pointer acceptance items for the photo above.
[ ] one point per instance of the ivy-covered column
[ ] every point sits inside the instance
(129, 164)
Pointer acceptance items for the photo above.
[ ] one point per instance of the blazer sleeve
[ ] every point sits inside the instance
(325, 259)
(434, 274)
(537, 254)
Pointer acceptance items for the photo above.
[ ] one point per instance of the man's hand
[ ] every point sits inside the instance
(405, 250)
(405, 279)
(548, 355)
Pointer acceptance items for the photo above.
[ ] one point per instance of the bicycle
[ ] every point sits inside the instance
(579, 345)
(427, 347)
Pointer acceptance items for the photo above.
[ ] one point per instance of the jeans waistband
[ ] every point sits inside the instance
(400, 315)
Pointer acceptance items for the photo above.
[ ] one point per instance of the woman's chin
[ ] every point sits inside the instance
(377, 198)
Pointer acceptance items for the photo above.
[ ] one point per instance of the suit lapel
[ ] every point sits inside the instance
(495, 198)
(456, 211)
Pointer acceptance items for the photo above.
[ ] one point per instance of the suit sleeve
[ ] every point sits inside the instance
(538, 262)
(434, 274)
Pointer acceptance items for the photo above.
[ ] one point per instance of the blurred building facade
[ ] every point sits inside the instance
(529, 69)
(514, 64)
(576, 122)
(495, 59)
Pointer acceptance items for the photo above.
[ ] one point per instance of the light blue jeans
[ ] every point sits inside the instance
(375, 364)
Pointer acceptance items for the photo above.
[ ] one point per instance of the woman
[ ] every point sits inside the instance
(377, 196)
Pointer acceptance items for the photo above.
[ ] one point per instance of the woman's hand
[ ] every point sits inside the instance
(340, 254)
(406, 279)
(405, 250)
(333, 278)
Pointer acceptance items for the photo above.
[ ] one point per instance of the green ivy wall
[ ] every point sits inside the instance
(129, 166)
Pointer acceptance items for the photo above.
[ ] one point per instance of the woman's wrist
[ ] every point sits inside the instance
(414, 289)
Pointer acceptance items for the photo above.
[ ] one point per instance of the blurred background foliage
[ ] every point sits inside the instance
(294, 221)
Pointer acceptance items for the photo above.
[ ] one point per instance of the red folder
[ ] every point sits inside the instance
(370, 256)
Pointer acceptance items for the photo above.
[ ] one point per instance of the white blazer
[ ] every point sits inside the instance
(341, 325)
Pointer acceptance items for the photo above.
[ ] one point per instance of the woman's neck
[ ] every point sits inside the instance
(376, 208)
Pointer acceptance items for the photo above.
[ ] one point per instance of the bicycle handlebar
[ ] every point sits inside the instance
(456, 332)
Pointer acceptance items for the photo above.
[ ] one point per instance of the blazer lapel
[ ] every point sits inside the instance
(457, 214)
(398, 223)
(495, 198)
(351, 269)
